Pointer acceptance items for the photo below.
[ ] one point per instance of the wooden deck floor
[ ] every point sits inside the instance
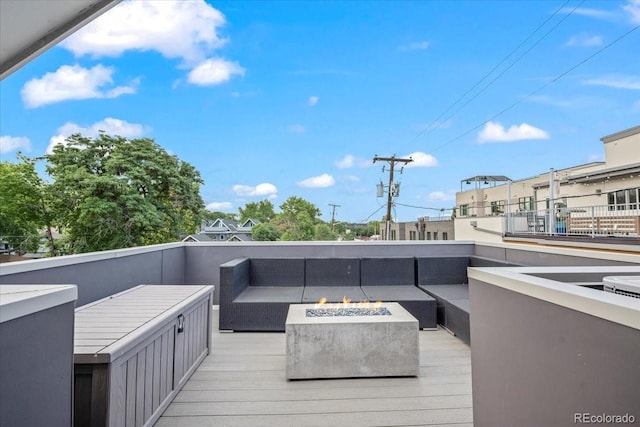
(242, 383)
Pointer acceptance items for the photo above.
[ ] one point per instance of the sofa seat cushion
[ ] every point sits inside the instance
(395, 293)
(313, 294)
(447, 292)
(271, 294)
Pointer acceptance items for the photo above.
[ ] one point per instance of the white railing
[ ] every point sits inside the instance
(585, 221)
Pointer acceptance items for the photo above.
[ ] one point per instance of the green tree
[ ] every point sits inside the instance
(263, 211)
(297, 219)
(213, 215)
(265, 232)
(23, 213)
(323, 232)
(113, 193)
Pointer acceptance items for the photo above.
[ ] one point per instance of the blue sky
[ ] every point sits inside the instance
(275, 99)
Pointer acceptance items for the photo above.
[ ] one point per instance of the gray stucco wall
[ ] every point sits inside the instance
(104, 277)
(541, 258)
(535, 363)
(36, 368)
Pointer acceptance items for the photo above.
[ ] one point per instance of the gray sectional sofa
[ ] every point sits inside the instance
(255, 293)
(445, 279)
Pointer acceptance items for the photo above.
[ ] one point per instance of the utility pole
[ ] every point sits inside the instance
(392, 188)
(333, 214)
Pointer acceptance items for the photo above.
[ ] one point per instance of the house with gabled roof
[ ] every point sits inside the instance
(223, 230)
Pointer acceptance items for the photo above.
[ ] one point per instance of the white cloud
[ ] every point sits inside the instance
(322, 181)
(595, 158)
(591, 13)
(296, 129)
(442, 195)
(219, 206)
(584, 40)
(350, 161)
(351, 178)
(422, 45)
(313, 100)
(11, 143)
(633, 8)
(109, 125)
(73, 82)
(264, 189)
(495, 132)
(176, 29)
(617, 81)
(421, 160)
(214, 71)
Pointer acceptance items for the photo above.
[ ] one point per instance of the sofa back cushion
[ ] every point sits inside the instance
(442, 271)
(277, 272)
(387, 271)
(332, 272)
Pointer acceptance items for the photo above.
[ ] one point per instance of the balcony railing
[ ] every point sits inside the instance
(584, 221)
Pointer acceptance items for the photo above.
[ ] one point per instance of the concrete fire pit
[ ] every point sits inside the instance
(351, 342)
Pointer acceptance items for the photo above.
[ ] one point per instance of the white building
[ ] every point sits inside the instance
(599, 198)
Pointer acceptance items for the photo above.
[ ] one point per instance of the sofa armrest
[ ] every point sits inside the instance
(234, 278)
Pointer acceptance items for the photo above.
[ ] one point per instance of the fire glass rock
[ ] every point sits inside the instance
(336, 312)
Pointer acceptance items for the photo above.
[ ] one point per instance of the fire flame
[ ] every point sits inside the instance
(346, 303)
(322, 301)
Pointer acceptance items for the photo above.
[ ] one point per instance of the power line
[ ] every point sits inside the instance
(426, 131)
(424, 207)
(375, 212)
(544, 86)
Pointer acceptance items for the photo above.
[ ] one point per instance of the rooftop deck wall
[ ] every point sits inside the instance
(546, 352)
(552, 256)
(101, 274)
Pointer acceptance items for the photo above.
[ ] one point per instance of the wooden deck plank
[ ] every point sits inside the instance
(436, 417)
(242, 383)
(324, 393)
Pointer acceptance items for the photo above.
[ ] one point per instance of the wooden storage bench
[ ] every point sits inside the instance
(134, 351)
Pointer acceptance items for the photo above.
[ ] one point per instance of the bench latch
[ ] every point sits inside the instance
(180, 323)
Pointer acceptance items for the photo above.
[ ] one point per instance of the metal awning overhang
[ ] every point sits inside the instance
(595, 175)
(28, 28)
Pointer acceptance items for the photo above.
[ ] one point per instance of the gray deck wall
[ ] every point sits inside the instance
(101, 276)
(106, 273)
(535, 363)
(36, 354)
(540, 258)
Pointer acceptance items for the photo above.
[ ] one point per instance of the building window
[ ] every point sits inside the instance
(393, 234)
(412, 235)
(464, 210)
(435, 235)
(497, 207)
(525, 203)
(623, 199)
(445, 235)
(428, 235)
